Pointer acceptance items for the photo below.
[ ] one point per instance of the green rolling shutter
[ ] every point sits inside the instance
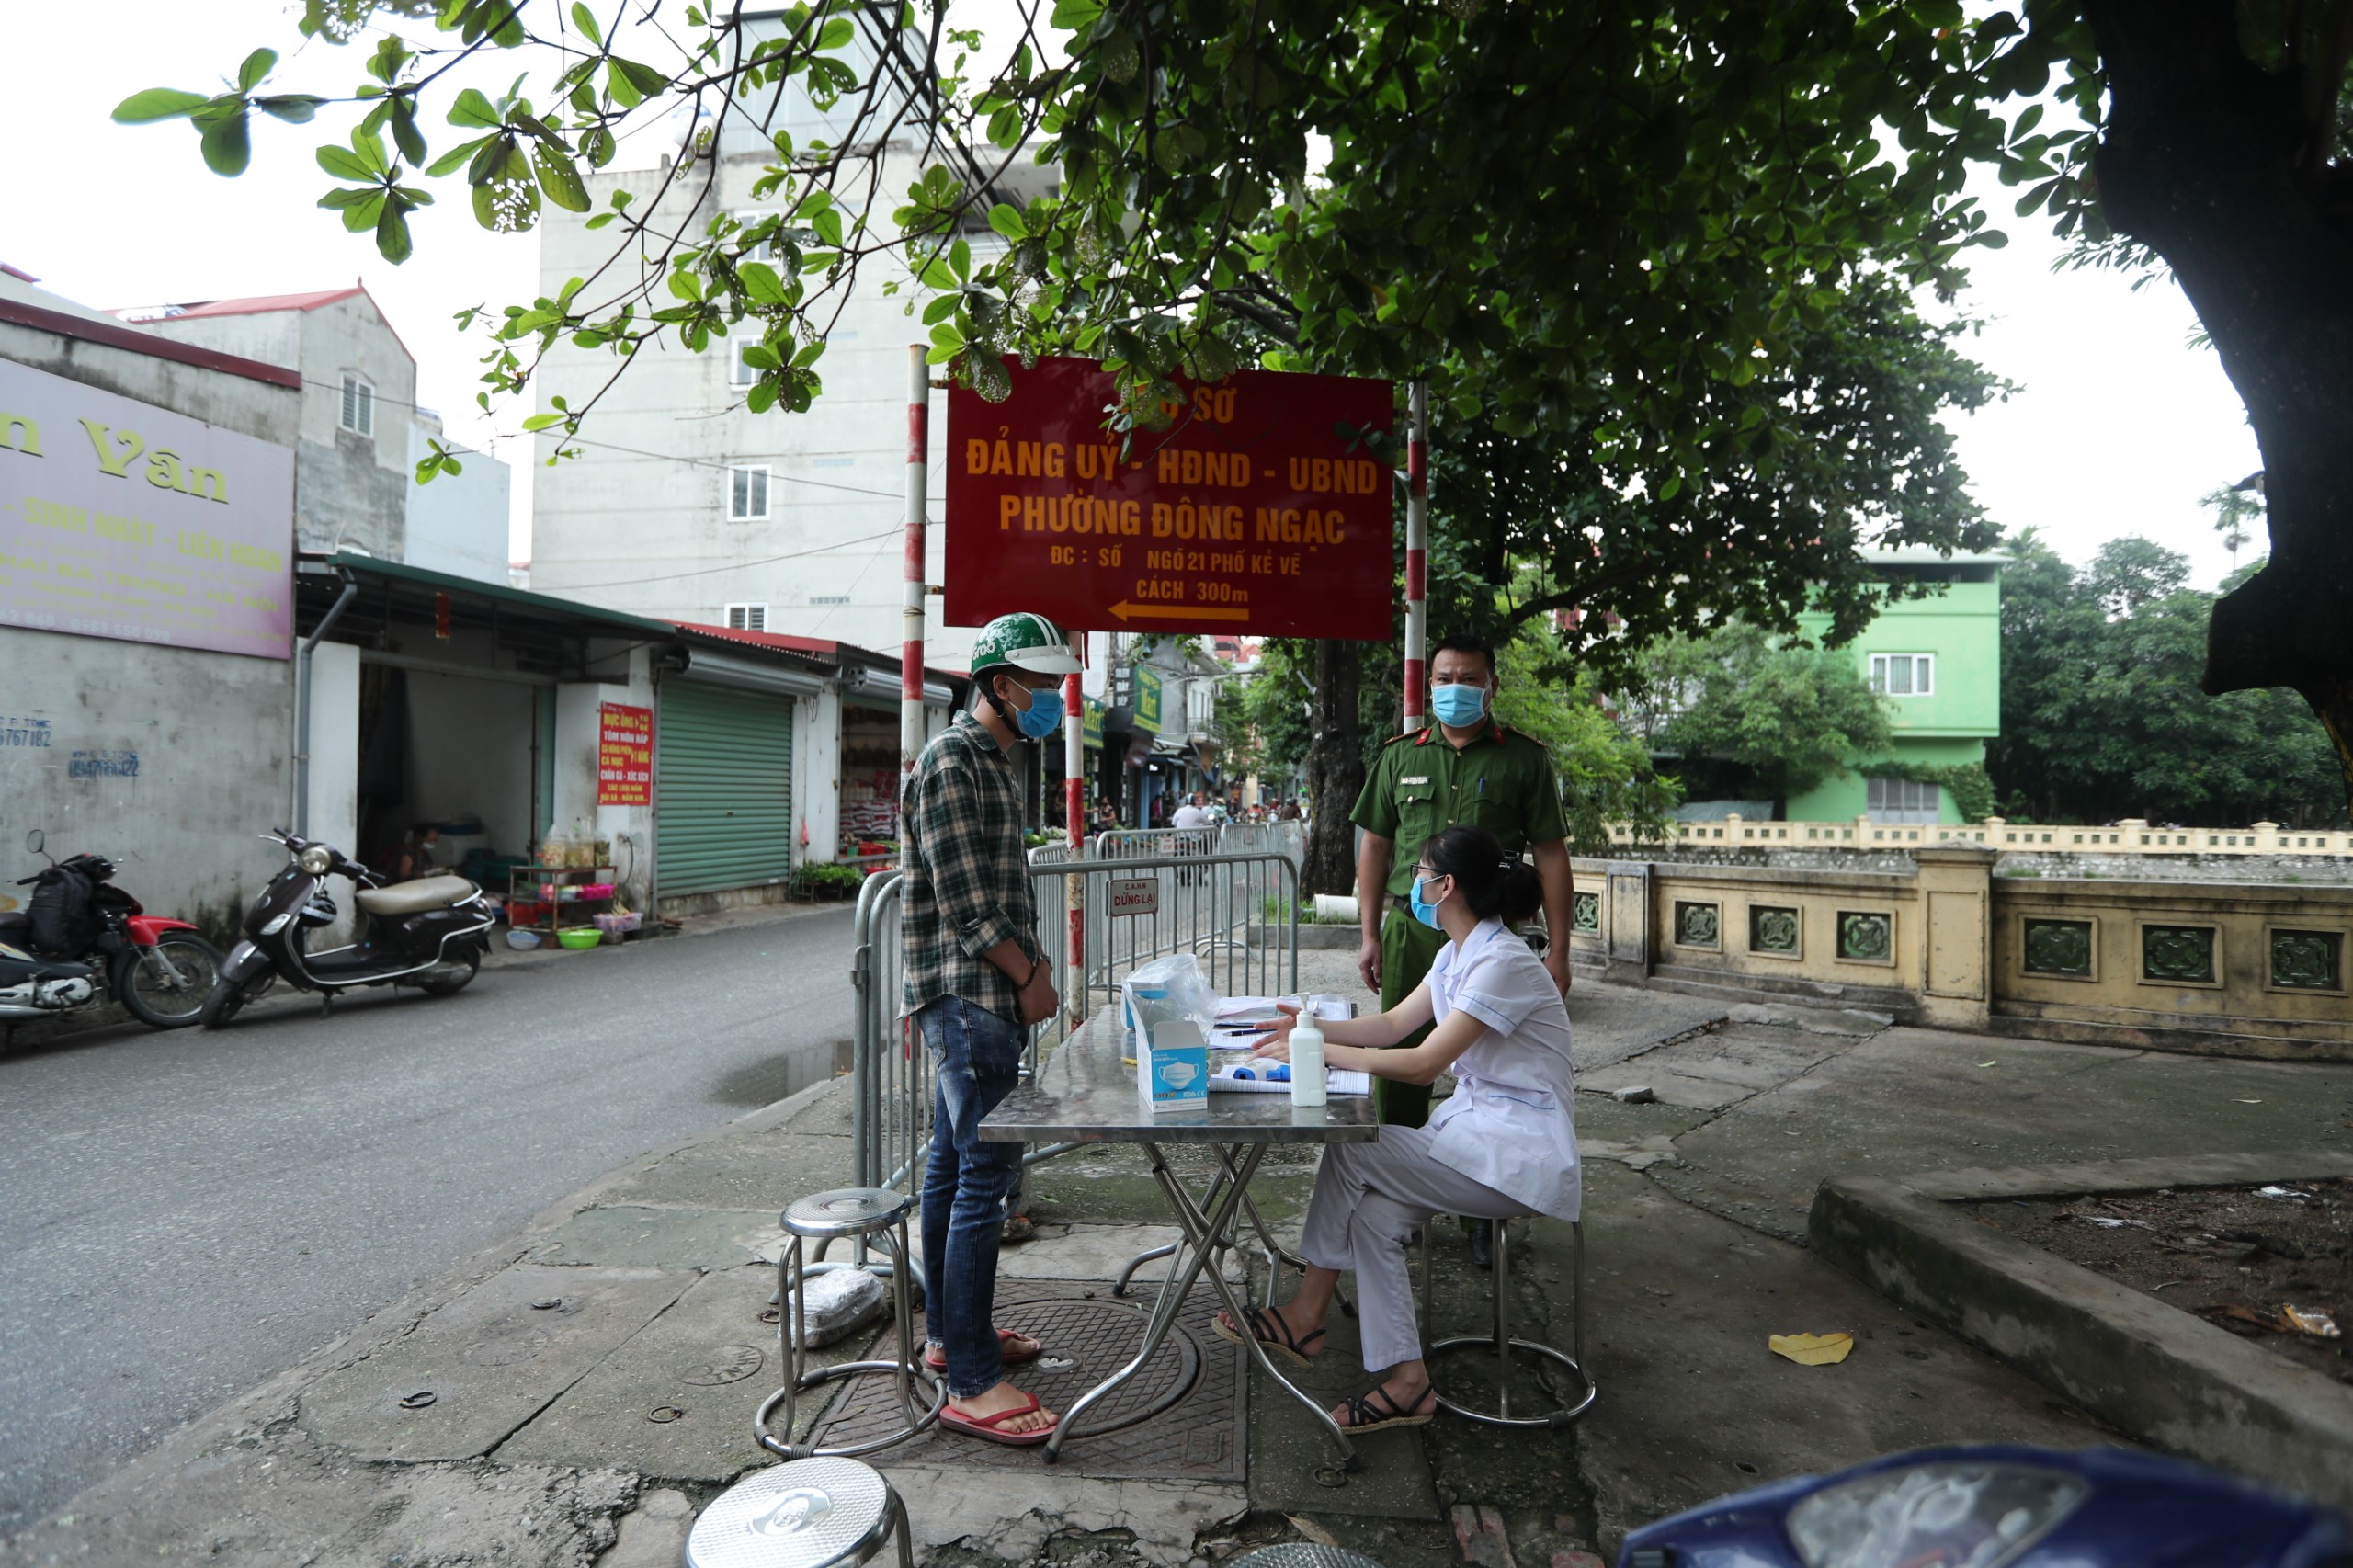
(722, 775)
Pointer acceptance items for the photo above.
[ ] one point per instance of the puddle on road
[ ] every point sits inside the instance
(771, 1078)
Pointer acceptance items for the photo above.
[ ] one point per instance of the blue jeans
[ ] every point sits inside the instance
(976, 1061)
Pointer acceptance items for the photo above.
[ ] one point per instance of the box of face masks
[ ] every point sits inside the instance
(1174, 1074)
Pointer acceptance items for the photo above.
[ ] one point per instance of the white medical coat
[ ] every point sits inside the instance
(1508, 1123)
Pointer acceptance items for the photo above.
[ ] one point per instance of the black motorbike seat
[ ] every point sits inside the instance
(416, 897)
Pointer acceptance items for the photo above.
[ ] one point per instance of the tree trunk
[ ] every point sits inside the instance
(1335, 772)
(2223, 168)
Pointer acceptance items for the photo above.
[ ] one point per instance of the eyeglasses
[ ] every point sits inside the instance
(1430, 871)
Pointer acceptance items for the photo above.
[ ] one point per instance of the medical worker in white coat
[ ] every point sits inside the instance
(1502, 1145)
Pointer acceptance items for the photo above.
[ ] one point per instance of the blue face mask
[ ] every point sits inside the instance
(1459, 706)
(1044, 714)
(1423, 911)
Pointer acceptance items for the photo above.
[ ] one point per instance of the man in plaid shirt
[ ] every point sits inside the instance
(975, 982)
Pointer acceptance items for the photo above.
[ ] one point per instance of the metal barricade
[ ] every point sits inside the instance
(1238, 914)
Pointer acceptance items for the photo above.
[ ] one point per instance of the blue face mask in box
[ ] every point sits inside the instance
(1459, 706)
(1424, 909)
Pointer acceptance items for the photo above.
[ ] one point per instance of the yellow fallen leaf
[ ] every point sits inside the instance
(1812, 1349)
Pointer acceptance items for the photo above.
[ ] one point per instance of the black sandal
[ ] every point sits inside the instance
(1278, 1339)
(1363, 1417)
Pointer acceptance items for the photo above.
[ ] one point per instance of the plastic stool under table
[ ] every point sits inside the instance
(877, 1217)
(1499, 1339)
(807, 1514)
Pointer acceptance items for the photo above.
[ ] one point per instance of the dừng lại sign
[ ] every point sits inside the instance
(122, 519)
(1262, 507)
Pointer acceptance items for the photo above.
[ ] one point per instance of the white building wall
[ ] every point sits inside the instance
(577, 727)
(457, 524)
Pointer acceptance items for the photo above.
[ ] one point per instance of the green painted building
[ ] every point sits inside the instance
(1938, 661)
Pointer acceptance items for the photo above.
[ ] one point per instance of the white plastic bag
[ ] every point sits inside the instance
(1166, 989)
(840, 1299)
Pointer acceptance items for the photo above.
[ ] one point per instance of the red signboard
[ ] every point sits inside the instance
(624, 755)
(1258, 509)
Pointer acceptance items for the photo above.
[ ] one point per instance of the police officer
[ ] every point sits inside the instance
(1464, 768)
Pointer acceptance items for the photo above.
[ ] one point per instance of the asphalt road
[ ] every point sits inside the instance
(189, 1214)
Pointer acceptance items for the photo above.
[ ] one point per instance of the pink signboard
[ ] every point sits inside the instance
(122, 519)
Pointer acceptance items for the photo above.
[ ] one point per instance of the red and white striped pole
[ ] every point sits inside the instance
(1074, 819)
(911, 714)
(1418, 539)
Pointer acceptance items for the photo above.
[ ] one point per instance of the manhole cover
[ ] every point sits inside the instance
(1086, 1341)
(726, 1364)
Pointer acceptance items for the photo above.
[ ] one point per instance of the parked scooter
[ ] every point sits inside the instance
(2000, 1506)
(430, 933)
(82, 940)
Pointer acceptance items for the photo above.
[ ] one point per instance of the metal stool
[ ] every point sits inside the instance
(1304, 1554)
(879, 1218)
(808, 1514)
(1499, 1339)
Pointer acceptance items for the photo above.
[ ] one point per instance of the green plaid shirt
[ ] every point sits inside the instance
(967, 884)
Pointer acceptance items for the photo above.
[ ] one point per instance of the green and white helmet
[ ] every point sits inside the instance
(1025, 641)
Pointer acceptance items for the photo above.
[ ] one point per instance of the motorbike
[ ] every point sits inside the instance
(430, 933)
(2000, 1506)
(83, 940)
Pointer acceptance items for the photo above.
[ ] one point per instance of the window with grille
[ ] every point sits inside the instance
(1902, 800)
(742, 372)
(747, 617)
(747, 494)
(358, 414)
(1904, 674)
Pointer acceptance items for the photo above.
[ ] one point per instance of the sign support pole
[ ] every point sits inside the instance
(1074, 823)
(1418, 539)
(911, 714)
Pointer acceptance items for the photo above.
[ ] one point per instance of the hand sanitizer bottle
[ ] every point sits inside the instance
(1306, 1061)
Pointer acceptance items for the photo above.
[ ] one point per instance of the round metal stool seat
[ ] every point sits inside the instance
(808, 1514)
(845, 1211)
(877, 1217)
(1304, 1554)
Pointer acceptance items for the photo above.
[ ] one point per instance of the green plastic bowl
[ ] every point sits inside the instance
(580, 937)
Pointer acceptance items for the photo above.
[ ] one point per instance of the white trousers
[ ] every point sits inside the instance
(1370, 1198)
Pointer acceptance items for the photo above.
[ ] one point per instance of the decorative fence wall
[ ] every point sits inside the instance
(2131, 836)
(2246, 968)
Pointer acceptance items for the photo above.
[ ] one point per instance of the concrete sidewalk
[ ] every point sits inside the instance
(545, 1356)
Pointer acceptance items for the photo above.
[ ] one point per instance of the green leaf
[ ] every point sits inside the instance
(458, 156)
(617, 87)
(473, 110)
(405, 135)
(761, 397)
(586, 20)
(940, 309)
(828, 224)
(393, 242)
(294, 108)
(760, 281)
(835, 35)
(684, 284)
(936, 275)
(1007, 220)
(648, 82)
(344, 165)
(228, 144)
(157, 103)
(256, 66)
(960, 261)
(760, 357)
(542, 421)
(1672, 488)
(370, 148)
(810, 354)
(559, 178)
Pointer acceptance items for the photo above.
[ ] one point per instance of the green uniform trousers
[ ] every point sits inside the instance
(1408, 947)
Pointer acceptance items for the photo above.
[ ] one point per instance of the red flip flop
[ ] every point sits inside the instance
(985, 1427)
(937, 1358)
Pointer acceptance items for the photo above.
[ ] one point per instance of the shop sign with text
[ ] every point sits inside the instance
(122, 519)
(1264, 507)
(624, 755)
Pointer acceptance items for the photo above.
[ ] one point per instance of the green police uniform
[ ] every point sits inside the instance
(1502, 781)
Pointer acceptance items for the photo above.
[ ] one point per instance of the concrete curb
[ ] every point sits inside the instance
(2154, 1371)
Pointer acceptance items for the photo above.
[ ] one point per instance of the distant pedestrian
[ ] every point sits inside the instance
(415, 858)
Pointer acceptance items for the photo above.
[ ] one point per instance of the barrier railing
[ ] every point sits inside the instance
(1238, 914)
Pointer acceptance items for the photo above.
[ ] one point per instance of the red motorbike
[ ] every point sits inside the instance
(82, 939)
